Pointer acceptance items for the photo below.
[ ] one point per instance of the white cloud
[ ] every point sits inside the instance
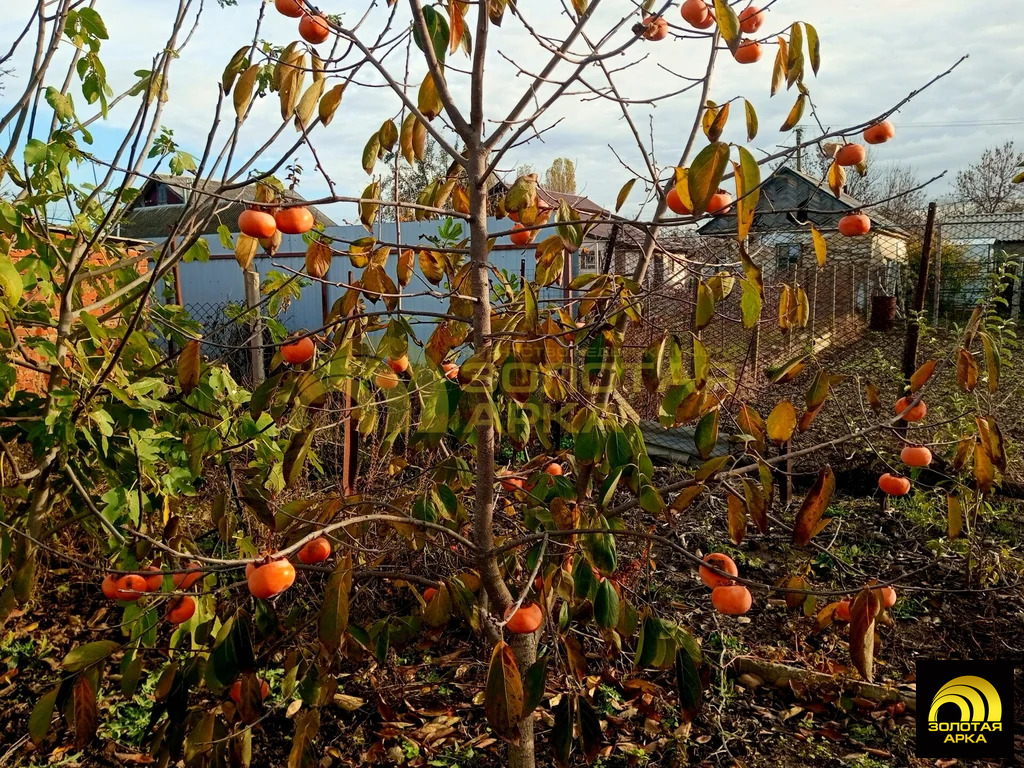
(874, 52)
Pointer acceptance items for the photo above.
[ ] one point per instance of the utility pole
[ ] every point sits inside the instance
(800, 149)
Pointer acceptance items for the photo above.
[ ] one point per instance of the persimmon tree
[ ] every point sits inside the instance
(135, 432)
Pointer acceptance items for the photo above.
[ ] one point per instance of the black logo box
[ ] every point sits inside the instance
(950, 738)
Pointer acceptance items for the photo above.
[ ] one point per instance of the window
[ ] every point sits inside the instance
(161, 194)
(588, 259)
(787, 255)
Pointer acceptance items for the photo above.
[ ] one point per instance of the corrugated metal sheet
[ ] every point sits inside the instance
(219, 280)
(788, 190)
(987, 227)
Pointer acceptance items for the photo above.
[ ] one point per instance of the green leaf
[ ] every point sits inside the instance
(42, 715)
(751, 115)
(650, 500)
(370, 153)
(590, 729)
(333, 620)
(813, 47)
(608, 487)
(750, 303)
(295, 455)
(748, 192)
(503, 695)
(583, 580)
(701, 362)
(200, 251)
(35, 152)
(617, 448)
(601, 547)
(437, 29)
(606, 605)
(705, 174)
(993, 362)
(562, 732)
(688, 685)
(728, 24)
(237, 63)
(650, 365)
(706, 435)
(705, 305)
(623, 194)
(11, 281)
(533, 684)
(86, 655)
(795, 65)
(590, 437)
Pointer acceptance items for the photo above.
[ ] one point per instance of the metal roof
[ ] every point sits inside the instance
(149, 221)
(790, 198)
(1001, 227)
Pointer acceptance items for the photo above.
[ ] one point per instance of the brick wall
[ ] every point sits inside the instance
(89, 292)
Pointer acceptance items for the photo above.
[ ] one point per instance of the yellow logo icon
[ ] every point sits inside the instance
(981, 710)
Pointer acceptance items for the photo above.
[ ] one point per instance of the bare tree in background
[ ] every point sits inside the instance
(987, 185)
(561, 176)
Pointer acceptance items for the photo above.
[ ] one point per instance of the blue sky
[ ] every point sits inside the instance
(874, 52)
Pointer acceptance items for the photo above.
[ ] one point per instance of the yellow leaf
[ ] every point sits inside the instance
(623, 194)
(966, 370)
(781, 422)
(955, 515)
(432, 266)
(245, 251)
(836, 178)
(921, 375)
(308, 102)
(318, 259)
(188, 367)
(737, 519)
(243, 92)
(779, 69)
(795, 113)
(330, 102)
(429, 100)
(405, 267)
(820, 248)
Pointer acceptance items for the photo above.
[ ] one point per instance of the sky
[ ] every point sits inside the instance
(874, 53)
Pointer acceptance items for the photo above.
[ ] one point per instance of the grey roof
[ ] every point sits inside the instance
(789, 198)
(156, 221)
(1001, 227)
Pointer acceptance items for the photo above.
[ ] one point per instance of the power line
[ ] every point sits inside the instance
(951, 123)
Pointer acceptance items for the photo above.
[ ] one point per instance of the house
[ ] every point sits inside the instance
(973, 247)
(209, 288)
(790, 203)
(591, 255)
(163, 197)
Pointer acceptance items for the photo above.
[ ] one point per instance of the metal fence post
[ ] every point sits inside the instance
(936, 297)
(814, 302)
(834, 269)
(914, 316)
(350, 438)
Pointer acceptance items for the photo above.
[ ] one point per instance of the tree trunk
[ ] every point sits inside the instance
(523, 646)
